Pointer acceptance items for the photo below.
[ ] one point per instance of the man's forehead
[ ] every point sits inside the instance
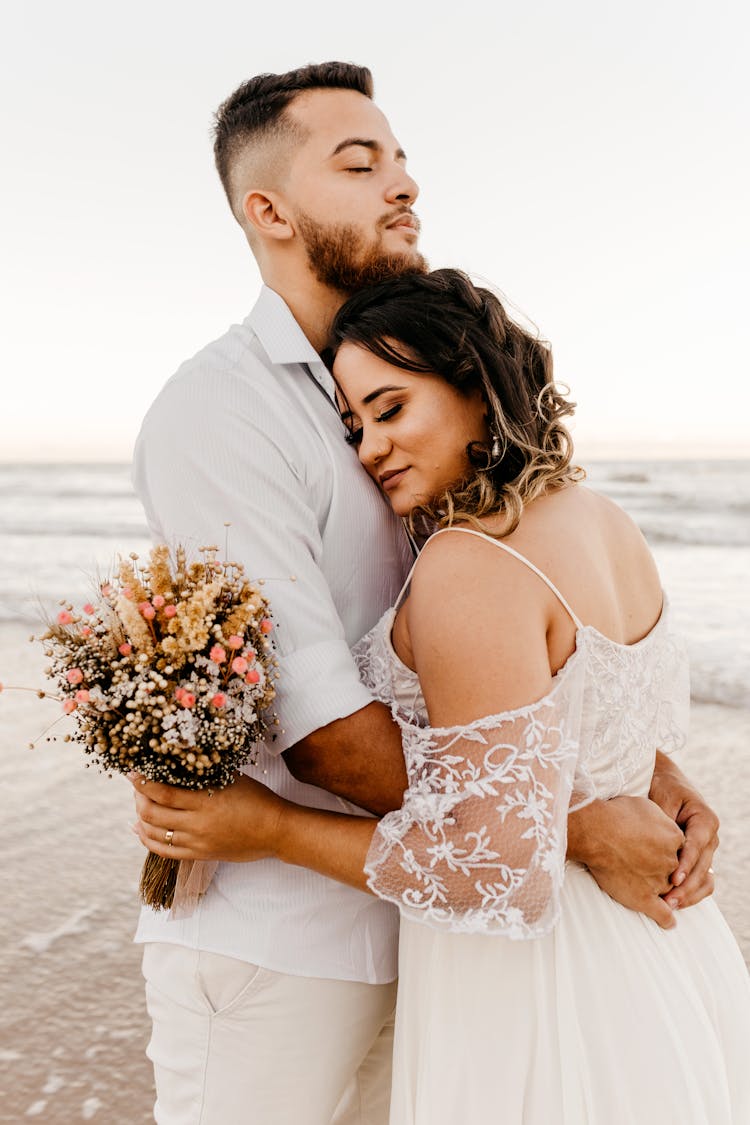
(331, 117)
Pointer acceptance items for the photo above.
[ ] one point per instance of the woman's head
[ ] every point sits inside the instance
(450, 403)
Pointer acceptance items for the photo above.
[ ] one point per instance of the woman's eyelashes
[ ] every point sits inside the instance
(354, 433)
(390, 413)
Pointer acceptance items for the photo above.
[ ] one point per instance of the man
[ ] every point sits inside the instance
(273, 1002)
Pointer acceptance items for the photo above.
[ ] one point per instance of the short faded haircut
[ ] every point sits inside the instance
(256, 112)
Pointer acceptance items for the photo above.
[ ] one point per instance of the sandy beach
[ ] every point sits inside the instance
(74, 1021)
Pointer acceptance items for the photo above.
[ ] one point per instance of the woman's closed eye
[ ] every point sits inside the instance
(390, 413)
(354, 433)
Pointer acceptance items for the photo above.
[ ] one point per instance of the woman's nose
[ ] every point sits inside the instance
(373, 447)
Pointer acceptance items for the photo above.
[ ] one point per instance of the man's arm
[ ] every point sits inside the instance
(359, 757)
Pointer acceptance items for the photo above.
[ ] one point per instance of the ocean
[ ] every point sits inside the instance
(73, 1025)
(62, 524)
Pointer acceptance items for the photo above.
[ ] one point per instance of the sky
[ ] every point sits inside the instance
(589, 159)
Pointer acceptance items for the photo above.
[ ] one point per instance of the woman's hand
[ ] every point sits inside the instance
(238, 824)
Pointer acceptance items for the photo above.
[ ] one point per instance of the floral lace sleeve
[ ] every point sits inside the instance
(479, 843)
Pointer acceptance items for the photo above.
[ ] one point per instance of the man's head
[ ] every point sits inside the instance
(315, 177)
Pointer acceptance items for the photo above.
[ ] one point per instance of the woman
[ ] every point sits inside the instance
(532, 668)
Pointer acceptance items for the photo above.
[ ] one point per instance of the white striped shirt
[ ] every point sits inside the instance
(241, 433)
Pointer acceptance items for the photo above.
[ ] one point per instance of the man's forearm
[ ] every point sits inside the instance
(585, 832)
(359, 758)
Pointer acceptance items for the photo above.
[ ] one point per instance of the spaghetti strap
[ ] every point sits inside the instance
(407, 580)
(510, 551)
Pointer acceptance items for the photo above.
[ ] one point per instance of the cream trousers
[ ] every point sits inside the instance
(235, 1044)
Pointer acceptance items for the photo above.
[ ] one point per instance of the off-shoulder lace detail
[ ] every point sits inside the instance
(479, 844)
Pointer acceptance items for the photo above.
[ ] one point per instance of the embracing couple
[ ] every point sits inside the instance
(471, 786)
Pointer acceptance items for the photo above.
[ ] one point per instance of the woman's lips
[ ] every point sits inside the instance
(392, 478)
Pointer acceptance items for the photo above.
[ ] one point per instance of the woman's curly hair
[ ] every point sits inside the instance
(440, 323)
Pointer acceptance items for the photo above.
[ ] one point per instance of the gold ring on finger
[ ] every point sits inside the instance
(168, 836)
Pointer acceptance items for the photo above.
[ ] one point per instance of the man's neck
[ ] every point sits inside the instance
(312, 304)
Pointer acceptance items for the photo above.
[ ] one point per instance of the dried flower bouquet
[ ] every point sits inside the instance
(170, 674)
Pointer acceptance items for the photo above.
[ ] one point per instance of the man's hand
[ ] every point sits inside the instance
(693, 878)
(236, 824)
(631, 848)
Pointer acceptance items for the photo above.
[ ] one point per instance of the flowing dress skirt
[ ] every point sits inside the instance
(607, 1021)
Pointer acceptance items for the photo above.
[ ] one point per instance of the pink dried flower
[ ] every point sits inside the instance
(170, 611)
(235, 641)
(69, 706)
(266, 625)
(125, 649)
(147, 611)
(88, 608)
(106, 589)
(187, 699)
(82, 696)
(74, 676)
(86, 631)
(178, 693)
(252, 677)
(217, 654)
(239, 665)
(64, 617)
(127, 593)
(158, 600)
(219, 700)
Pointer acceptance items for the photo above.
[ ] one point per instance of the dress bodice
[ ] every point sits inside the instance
(635, 700)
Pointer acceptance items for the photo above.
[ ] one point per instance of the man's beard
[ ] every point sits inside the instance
(340, 256)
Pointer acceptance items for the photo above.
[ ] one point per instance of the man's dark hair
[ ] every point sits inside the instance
(257, 108)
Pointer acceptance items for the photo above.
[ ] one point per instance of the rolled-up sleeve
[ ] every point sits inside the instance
(214, 450)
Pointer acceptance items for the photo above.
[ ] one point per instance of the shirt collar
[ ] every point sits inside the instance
(284, 341)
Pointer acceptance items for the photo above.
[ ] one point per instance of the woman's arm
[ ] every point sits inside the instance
(247, 822)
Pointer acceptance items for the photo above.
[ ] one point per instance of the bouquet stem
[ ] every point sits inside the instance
(158, 881)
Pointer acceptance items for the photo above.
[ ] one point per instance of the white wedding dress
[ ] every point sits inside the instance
(527, 996)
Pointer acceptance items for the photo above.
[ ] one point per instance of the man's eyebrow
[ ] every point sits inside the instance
(364, 142)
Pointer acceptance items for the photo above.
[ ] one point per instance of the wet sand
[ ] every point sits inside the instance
(74, 1026)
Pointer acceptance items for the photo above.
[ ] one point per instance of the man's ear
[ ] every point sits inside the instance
(265, 214)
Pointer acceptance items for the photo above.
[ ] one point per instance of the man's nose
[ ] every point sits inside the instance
(403, 189)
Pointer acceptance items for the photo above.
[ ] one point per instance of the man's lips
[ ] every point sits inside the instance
(411, 222)
(392, 478)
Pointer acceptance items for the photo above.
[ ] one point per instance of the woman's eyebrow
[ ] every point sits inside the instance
(381, 391)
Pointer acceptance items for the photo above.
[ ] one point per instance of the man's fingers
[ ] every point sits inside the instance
(697, 852)
(657, 909)
(701, 827)
(697, 886)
